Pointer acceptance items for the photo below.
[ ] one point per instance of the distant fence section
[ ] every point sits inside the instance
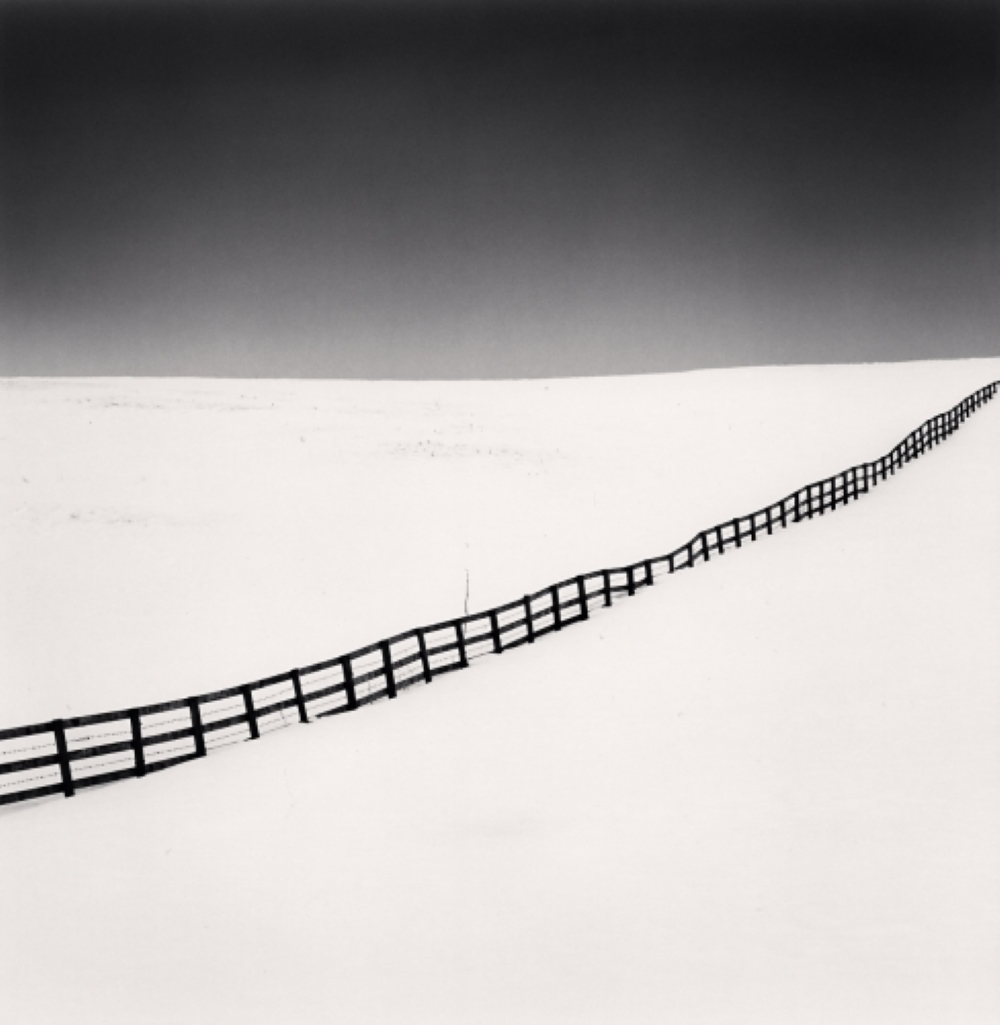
(67, 755)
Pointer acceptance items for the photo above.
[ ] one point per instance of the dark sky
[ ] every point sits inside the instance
(473, 189)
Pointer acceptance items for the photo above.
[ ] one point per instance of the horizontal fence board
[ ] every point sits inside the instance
(26, 731)
(78, 754)
(104, 777)
(169, 763)
(50, 790)
(29, 763)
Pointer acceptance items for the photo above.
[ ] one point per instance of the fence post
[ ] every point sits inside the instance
(798, 508)
(607, 586)
(463, 659)
(556, 611)
(63, 753)
(299, 696)
(390, 680)
(529, 623)
(704, 545)
(649, 573)
(348, 671)
(581, 590)
(197, 729)
(425, 662)
(753, 527)
(630, 577)
(140, 758)
(768, 521)
(251, 711)
(736, 528)
(495, 632)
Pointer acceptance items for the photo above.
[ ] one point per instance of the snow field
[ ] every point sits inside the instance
(765, 790)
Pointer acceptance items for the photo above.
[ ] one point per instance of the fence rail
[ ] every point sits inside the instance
(67, 755)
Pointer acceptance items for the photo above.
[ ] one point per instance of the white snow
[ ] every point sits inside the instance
(768, 789)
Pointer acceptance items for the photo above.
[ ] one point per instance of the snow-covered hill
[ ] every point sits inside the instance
(765, 790)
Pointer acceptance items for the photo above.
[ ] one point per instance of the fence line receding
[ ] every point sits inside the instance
(66, 755)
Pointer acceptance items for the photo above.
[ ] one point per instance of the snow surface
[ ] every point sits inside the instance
(765, 790)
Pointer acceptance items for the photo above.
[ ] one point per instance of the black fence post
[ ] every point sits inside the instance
(606, 574)
(425, 662)
(630, 577)
(556, 610)
(390, 679)
(463, 659)
(736, 528)
(798, 507)
(140, 758)
(704, 546)
(197, 728)
(649, 573)
(348, 671)
(529, 623)
(251, 711)
(495, 632)
(62, 751)
(581, 590)
(299, 696)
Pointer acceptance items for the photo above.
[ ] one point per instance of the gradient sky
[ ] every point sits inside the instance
(477, 189)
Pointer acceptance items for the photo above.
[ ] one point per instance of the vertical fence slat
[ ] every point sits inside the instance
(299, 696)
(649, 573)
(197, 727)
(495, 633)
(556, 610)
(606, 575)
(62, 751)
(251, 711)
(140, 757)
(463, 658)
(425, 662)
(390, 678)
(349, 688)
(529, 622)
(581, 590)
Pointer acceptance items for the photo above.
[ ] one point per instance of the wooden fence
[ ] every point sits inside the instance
(66, 755)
